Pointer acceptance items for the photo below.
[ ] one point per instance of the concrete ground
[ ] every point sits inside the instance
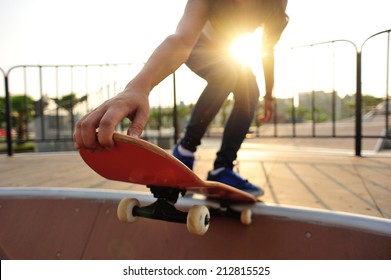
(318, 173)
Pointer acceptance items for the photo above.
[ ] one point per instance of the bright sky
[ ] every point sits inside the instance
(112, 31)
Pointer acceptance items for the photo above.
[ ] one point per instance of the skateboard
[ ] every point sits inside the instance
(137, 161)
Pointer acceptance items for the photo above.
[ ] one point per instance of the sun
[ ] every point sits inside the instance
(247, 49)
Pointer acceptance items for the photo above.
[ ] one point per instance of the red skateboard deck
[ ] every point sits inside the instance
(137, 161)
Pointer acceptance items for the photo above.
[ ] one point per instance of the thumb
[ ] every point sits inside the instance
(266, 117)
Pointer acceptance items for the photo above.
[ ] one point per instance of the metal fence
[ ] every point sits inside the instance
(373, 75)
(319, 94)
(375, 66)
(341, 84)
(314, 92)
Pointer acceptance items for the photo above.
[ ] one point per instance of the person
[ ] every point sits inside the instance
(201, 40)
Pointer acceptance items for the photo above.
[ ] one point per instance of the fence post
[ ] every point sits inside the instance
(387, 104)
(8, 116)
(359, 90)
(358, 133)
(175, 111)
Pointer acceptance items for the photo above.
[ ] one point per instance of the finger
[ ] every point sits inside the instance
(266, 118)
(138, 124)
(87, 130)
(263, 120)
(77, 136)
(83, 139)
(107, 126)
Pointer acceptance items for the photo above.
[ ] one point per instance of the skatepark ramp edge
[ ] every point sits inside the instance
(57, 223)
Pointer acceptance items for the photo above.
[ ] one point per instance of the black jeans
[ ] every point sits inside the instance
(223, 75)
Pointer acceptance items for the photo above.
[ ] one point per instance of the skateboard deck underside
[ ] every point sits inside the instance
(140, 162)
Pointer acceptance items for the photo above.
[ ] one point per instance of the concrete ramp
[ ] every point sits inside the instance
(44, 223)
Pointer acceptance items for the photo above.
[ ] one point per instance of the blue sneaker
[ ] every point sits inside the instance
(186, 160)
(229, 177)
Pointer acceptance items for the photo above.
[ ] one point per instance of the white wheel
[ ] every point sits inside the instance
(245, 216)
(125, 209)
(198, 220)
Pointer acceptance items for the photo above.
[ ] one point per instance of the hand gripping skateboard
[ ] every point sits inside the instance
(137, 161)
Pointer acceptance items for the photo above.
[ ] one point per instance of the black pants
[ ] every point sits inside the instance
(223, 75)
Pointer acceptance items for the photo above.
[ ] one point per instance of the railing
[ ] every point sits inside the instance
(310, 96)
(364, 72)
(335, 62)
(385, 80)
(316, 89)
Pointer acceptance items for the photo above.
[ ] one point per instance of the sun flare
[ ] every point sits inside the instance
(247, 49)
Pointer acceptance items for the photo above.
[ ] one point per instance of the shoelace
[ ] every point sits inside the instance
(238, 176)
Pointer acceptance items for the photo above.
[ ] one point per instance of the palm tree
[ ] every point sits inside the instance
(22, 109)
(67, 102)
(2, 111)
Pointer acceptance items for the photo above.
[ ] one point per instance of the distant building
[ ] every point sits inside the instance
(321, 104)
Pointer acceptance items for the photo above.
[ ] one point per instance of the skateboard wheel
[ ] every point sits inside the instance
(245, 216)
(125, 209)
(198, 220)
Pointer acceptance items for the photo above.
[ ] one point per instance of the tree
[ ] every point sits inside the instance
(67, 102)
(369, 102)
(22, 109)
(2, 112)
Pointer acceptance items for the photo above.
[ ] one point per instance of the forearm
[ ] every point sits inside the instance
(175, 49)
(165, 60)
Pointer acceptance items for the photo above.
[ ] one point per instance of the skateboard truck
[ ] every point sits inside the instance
(197, 219)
